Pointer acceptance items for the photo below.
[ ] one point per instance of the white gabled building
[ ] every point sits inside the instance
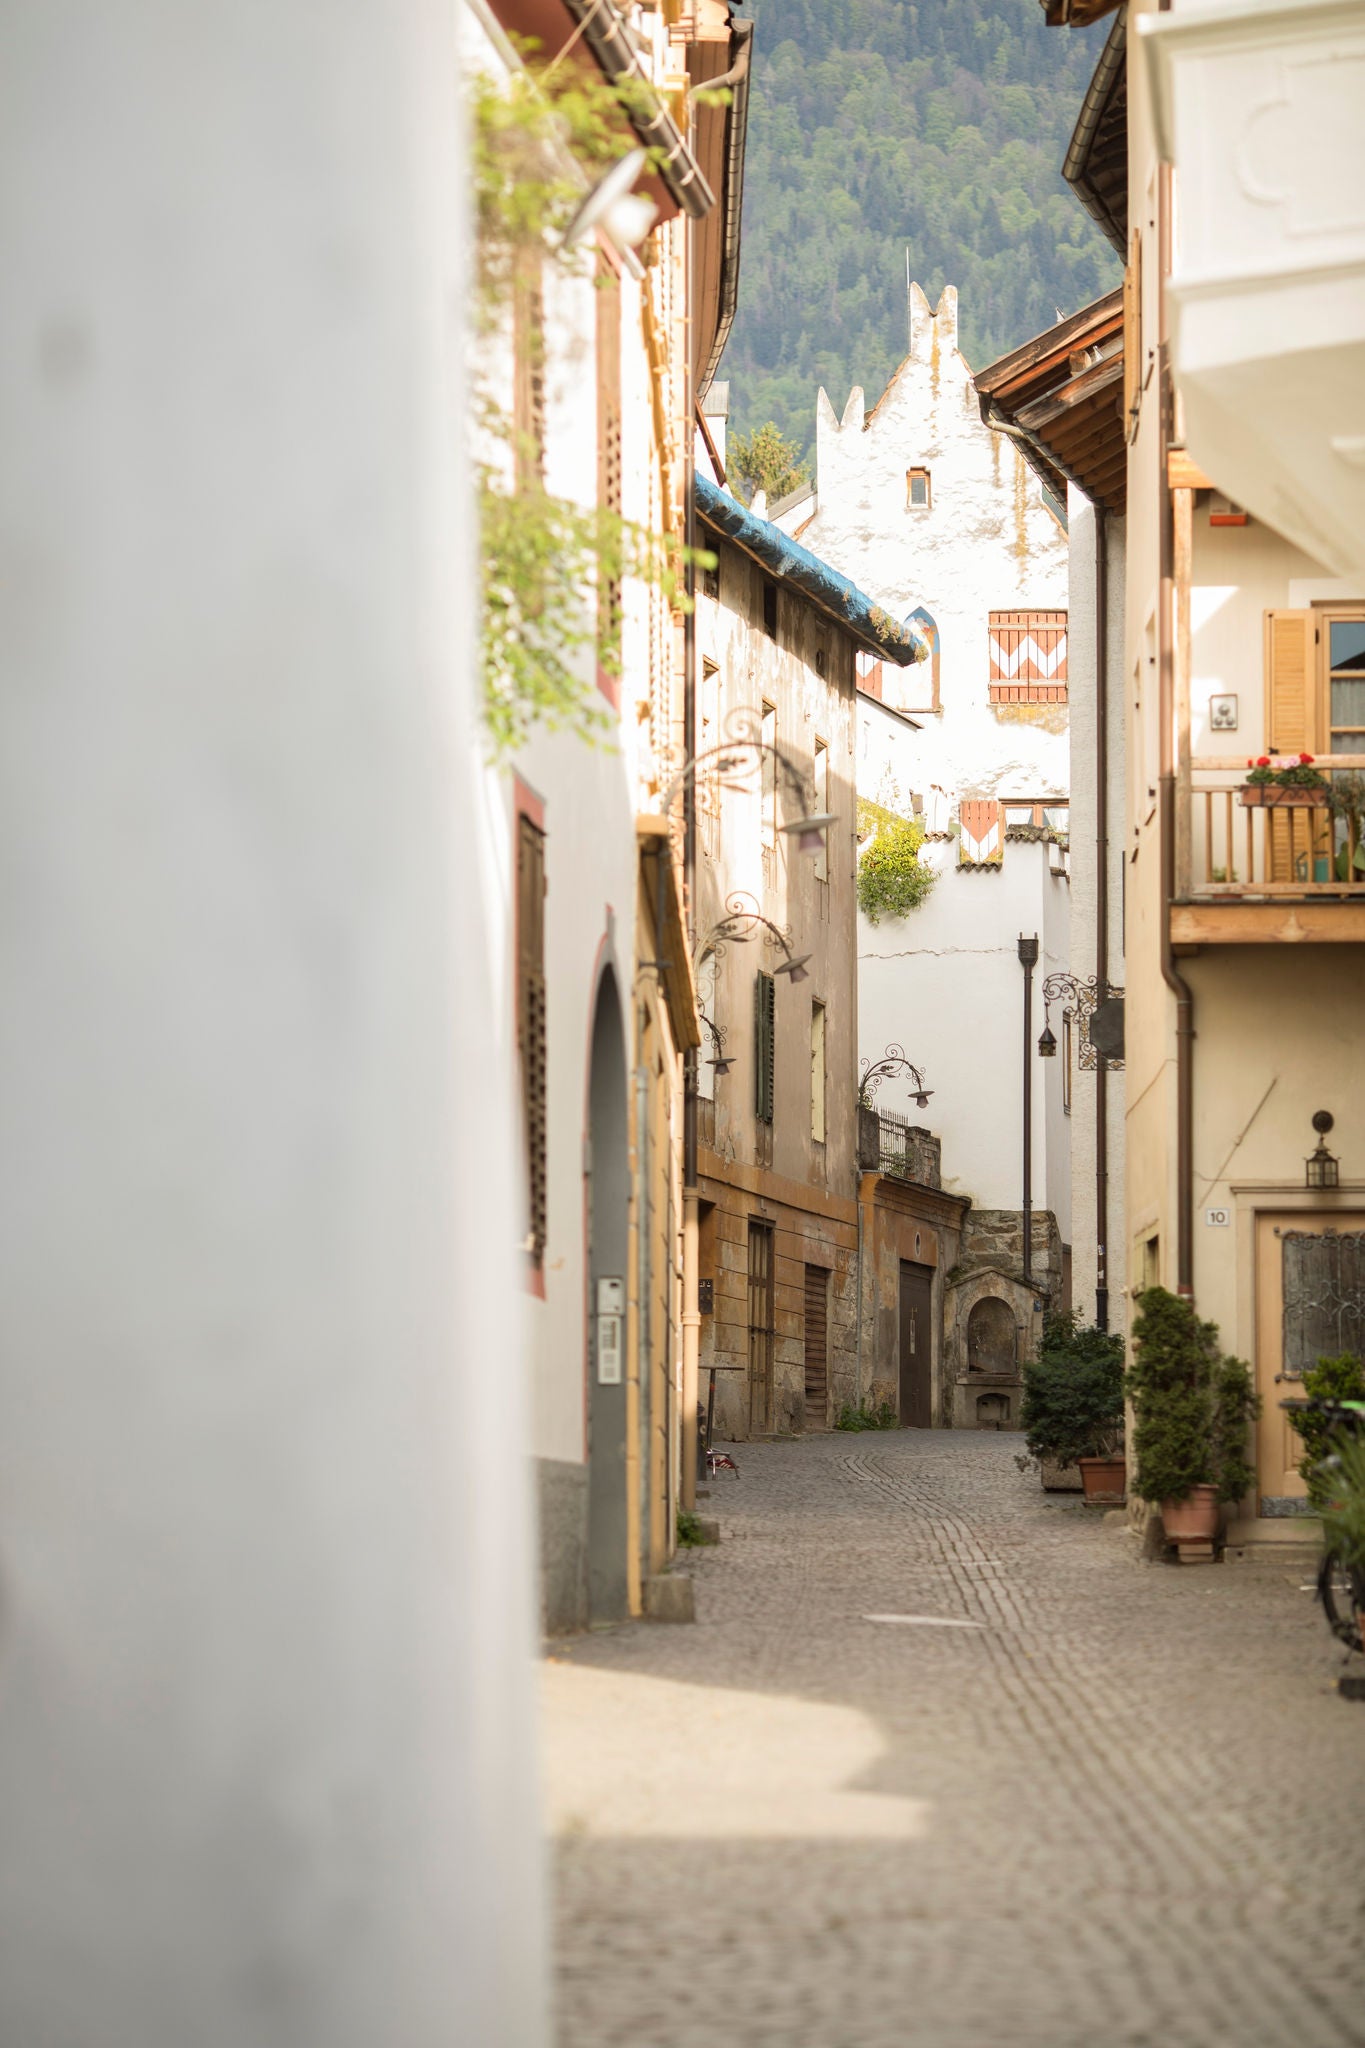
(939, 518)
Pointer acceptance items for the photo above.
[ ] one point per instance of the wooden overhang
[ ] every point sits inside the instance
(720, 54)
(600, 36)
(659, 875)
(1061, 397)
(1076, 13)
(1096, 162)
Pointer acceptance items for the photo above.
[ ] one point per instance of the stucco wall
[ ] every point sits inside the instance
(1084, 869)
(945, 982)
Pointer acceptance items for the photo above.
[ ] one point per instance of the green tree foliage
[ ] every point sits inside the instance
(881, 126)
(892, 879)
(545, 559)
(765, 461)
(1073, 1391)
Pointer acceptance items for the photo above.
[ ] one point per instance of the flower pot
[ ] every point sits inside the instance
(1194, 1520)
(1105, 1481)
(1283, 796)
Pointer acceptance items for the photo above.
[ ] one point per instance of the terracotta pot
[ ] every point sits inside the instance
(1283, 795)
(1194, 1520)
(1105, 1481)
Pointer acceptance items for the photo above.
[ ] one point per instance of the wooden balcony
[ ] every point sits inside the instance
(1253, 875)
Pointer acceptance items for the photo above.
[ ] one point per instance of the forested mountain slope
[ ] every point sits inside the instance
(881, 125)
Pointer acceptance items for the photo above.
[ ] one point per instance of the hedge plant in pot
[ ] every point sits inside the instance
(1073, 1405)
(1192, 1411)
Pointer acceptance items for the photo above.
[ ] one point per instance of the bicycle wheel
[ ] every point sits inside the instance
(1341, 1601)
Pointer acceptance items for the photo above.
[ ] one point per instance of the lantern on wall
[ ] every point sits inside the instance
(1322, 1169)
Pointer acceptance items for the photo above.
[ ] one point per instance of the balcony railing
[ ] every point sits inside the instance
(892, 1145)
(1231, 851)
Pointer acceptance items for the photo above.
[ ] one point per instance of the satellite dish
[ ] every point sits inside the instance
(626, 215)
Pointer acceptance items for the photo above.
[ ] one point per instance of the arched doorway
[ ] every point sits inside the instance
(608, 1196)
(991, 1337)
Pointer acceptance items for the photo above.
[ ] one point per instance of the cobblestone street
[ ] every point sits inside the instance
(1126, 1807)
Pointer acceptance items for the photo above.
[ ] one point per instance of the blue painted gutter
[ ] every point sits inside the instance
(825, 588)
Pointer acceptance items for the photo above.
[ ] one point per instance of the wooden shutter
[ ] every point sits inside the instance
(1291, 727)
(609, 495)
(531, 1023)
(765, 994)
(528, 406)
(1132, 336)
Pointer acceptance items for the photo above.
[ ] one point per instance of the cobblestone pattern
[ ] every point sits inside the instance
(1140, 1800)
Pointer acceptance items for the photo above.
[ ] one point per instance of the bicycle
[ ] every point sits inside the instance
(1340, 1587)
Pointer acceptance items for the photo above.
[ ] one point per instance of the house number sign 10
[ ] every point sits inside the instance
(1218, 1219)
(611, 1316)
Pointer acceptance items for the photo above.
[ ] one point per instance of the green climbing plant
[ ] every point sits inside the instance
(545, 559)
(892, 878)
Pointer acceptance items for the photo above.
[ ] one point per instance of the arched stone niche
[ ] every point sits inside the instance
(991, 1337)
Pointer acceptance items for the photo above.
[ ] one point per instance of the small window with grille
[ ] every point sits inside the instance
(918, 490)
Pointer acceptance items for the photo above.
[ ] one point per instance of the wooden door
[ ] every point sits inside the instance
(817, 1347)
(761, 1330)
(1310, 1304)
(916, 1346)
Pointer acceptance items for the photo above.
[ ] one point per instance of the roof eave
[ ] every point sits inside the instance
(823, 588)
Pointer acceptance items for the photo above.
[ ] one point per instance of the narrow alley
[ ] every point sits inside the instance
(944, 1763)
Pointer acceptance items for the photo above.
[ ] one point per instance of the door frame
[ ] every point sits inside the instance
(1250, 1200)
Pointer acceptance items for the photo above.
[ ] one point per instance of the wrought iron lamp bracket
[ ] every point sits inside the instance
(1081, 999)
(894, 1061)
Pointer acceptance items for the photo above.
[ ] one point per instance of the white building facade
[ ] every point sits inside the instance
(941, 520)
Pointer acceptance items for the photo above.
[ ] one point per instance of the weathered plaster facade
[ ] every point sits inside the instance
(776, 1173)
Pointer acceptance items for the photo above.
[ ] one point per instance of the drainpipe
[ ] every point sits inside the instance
(1184, 1052)
(1175, 594)
(691, 1305)
(1101, 912)
(1028, 960)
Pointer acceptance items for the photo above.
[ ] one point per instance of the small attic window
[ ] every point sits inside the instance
(917, 492)
(770, 609)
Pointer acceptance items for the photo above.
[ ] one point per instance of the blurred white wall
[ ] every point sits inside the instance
(266, 1747)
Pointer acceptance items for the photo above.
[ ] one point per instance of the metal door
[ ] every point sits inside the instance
(760, 1327)
(916, 1346)
(1310, 1304)
(817, 1347)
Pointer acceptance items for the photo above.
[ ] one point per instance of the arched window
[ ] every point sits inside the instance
(923, 620)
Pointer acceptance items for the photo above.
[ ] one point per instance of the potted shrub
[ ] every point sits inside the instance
(1331, 1379)
(1343, 1522)
(1284, 781)
(1073, 1405)
(1192, 1410)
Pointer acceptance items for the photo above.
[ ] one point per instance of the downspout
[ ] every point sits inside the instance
(1173, 597)
(691, 1299)
(1028, 960)
(1101, 911)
